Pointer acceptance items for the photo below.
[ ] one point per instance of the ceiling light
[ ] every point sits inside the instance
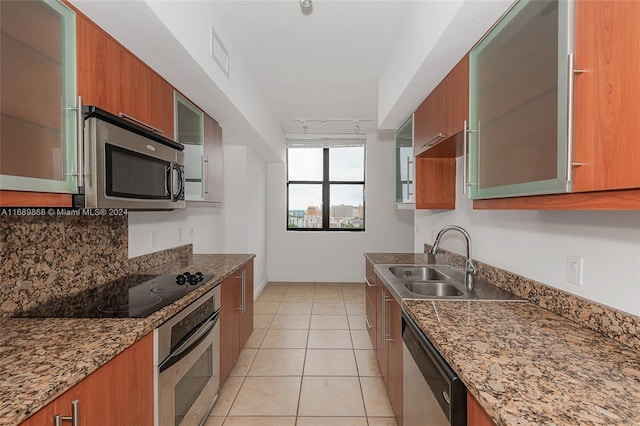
(305, 3)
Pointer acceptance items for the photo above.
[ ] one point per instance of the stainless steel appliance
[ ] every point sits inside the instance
(128, 166)
(187, 363)
(432, 392)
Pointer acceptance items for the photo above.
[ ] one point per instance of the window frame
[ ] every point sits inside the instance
(326, 191)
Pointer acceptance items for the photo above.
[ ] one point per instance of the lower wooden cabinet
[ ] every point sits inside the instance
(236, 317)
(476, 416)
(118, 393)
(384, 323)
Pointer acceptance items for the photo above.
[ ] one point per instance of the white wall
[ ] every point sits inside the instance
(535, 244)
(434, 36)
(338, 256)
(237, 226)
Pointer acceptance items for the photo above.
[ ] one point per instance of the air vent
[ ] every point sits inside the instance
(219, 52)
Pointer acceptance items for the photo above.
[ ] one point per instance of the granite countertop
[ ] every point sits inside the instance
(528, 366)
(42, 358)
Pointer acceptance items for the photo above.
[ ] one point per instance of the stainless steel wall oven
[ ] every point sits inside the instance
(187, 363)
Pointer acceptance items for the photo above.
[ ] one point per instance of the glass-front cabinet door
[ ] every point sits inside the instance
(519, 140)
(189, 128)
(38, 103)
(405, 170)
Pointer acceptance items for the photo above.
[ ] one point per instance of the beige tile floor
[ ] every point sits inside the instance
(309, 362)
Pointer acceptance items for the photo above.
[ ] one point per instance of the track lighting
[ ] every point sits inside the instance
(355, 121)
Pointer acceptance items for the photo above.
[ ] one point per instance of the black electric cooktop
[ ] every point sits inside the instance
(132, 296)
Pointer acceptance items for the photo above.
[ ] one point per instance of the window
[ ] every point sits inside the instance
(325, 183)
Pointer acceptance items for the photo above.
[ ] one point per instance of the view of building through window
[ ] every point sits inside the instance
(331, 176)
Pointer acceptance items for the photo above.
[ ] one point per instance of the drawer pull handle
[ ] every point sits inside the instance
(432, 140)
(74, 418)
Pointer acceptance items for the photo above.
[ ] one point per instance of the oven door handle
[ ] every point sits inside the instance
(191, 343)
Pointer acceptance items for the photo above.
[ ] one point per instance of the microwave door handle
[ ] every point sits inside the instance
(168, 181)
(176, 181)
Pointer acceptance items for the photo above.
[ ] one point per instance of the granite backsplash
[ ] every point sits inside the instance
(613, 323)
(45, 257)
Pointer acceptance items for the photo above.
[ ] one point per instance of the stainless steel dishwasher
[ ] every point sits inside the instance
(433, 395)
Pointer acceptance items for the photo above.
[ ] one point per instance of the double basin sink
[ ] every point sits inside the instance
(437, 282)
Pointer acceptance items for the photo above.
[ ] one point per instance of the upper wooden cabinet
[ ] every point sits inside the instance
(118, 393)
(600, 165)
(112, 78)
(202, 139)
(38, 105)
(606, 152)
(442, 115)
(439, 125)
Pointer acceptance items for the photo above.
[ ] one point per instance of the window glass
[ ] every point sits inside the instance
(346, 163)
(305, 206)
(304, 164)
(347, 206)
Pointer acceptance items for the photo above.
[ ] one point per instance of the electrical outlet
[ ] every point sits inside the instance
(574, 269)
(433, 235)
(179, 234)
(154, 239)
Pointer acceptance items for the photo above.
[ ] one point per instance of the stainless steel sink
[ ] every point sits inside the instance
(436, 282)
(433, 289)
(418, 273)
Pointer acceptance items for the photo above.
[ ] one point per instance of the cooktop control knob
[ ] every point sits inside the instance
(193, 279)
(200, 276)
(181, 279)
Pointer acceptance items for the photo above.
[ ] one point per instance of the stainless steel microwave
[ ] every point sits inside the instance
(128, 166)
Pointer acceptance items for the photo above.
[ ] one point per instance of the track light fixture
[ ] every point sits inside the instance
(356, 122)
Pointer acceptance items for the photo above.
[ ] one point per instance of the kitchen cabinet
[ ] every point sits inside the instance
(202, 138)
(476, 416)
(602, 158)
(386, 336)
(519, 98)
(442, 115)
(112, 78)
(118, 393)
(405, 185)
(371, 303)
(236, 317)
(38, 105)
(439, 132)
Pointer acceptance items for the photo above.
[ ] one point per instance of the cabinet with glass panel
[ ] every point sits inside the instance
(202, 139)
(405, 168)
(553, 101)
(38, 112)
(519, 103)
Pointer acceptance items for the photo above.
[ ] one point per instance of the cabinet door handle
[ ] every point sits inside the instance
(368, 282)
(74, 418)
(141, 123)
(386, 338)
(409, 193)
(205, 175)
(432, 140)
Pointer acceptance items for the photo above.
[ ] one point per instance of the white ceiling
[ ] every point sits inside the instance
(323, 64)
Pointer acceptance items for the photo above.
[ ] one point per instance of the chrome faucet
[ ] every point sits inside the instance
(470, 269)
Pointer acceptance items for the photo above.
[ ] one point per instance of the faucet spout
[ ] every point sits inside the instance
(470, 268)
